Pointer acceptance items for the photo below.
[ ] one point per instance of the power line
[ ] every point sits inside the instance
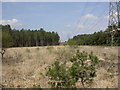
(83, 10)
(91, 12)
(97, 22)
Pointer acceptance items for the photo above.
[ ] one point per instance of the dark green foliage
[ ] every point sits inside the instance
(71, 42)
(7, 40)
(60, 76)
(97, 38)
(23, 37)
(82, 68)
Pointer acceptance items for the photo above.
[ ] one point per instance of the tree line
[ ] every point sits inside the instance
(27, 38)
(97, 38)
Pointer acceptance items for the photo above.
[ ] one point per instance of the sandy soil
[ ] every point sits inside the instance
(26, 66)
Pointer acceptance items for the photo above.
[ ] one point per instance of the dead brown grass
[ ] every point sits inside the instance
(26, 66)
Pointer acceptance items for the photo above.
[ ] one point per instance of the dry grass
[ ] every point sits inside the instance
(26, 66)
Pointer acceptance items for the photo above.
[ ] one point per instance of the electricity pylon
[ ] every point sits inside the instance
(114, 18)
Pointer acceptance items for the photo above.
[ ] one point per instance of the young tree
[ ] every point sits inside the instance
(7, 41)
(83, 68)
(71, 42)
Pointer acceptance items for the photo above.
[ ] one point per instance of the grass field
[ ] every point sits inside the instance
(26, 66)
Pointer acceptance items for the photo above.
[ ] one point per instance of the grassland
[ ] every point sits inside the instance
(26, 66)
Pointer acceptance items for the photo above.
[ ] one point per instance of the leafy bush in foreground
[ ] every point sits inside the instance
(82, 69)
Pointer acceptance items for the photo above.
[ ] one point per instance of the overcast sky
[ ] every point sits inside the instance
(66, 18)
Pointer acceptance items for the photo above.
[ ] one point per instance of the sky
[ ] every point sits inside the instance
(66, 18)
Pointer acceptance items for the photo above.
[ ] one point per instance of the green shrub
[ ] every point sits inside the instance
(28, 50)
(37, 49)
(82, 68)
(71, 43)
(59, 75)
(49, 48)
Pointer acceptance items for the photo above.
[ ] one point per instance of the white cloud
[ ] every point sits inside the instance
(90, 16)
(79, 26)
(12, 22)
